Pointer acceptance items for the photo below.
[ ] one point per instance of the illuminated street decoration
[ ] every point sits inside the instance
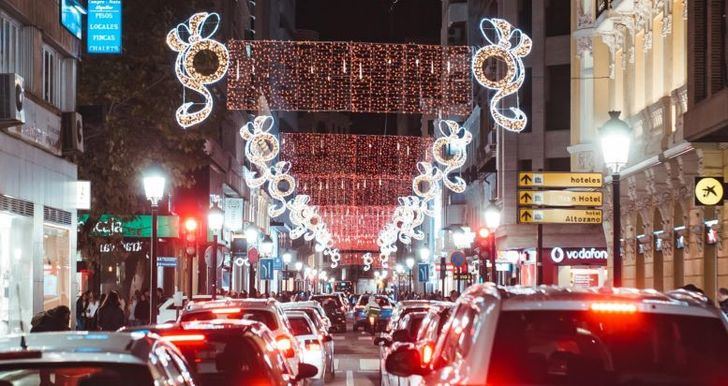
(188, 40)
(501, 35)
(367, 260)
(456, 139)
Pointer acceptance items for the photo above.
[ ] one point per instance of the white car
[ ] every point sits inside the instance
(311, 304)
(569, 336)
(169, 313)
(266, 311)
(311, 342)
(316, 313)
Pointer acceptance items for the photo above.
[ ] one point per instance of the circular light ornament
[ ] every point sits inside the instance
(501, 35)
(189, 40)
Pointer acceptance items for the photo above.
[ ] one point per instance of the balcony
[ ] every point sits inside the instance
(707, 121)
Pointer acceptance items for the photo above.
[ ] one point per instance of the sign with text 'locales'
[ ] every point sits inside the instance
(559, 198)
(559, 180)
(103, 27)
(560, 216)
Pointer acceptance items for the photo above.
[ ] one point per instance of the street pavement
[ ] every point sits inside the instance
(356, 359)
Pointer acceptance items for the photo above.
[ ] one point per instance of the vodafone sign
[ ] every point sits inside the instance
(579, 256)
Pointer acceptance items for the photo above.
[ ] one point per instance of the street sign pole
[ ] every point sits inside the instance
(616, 230)
(539, 254)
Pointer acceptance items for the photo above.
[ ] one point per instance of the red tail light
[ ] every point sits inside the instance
(427, 354)
(188, 338)
(285, 345)
(613, 307)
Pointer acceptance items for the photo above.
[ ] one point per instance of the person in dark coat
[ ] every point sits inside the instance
(55, 319)
(723, 300)
(110, 316)
(141, 311)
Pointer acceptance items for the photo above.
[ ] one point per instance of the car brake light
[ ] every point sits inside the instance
(225, 310)
(285, 346)
(185, 338)
(313, 347)
(623, 308)
(427, 354)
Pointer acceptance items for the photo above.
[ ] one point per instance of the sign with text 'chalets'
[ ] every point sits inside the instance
(560, 216)
(559, 198)
(103, 27)
(559, 180)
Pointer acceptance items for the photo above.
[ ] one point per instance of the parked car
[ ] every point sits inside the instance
(91, 359)
(230, 352)
(266, 311)
(313, 344)
(404, 333)
(569, 336)
(403, 307)
(335, 310)
(360, 316)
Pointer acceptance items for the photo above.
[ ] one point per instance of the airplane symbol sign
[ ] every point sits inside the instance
(709, 191)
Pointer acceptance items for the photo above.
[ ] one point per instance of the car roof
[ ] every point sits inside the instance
(83, 346)
(242, 303)
(553, 298)
(304, 304)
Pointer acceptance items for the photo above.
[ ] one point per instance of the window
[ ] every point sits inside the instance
(558, 164)
(525, 165)
(461, 331)
(300, 326)
(51, 75)
(558, 92)
(558, 13)
(9, 45)
(56, 267)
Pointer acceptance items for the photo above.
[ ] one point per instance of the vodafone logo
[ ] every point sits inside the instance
(579, 256)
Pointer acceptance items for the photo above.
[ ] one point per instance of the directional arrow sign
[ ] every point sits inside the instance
(560, 216)
(560, 180)
(559, 198)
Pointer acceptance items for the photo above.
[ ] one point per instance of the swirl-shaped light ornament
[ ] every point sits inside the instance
(279, 176)
(367, 260)
(502, 47)
(261, 147)
(188, 40)
(454, 140)
(334, 255)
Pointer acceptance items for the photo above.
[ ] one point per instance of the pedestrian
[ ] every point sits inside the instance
(90, 314)
(132, 308)
(81, 304)
(110, 316)
(160, 296)
(55, 319)
(723, 300)
(141, 311)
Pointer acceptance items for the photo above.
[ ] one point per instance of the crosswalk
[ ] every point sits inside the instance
(356, 360)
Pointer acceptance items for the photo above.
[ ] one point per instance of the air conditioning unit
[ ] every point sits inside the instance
(72, 126)
(12, 96)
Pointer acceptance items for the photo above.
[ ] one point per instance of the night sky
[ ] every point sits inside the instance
(417, 21)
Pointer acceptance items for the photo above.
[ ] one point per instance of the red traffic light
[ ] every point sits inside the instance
(191, 224)
(483, 233)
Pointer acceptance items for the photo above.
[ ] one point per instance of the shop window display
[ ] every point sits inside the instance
(56, 269)
(16, 274)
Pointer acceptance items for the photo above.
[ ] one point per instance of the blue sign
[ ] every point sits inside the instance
(163, 261)
(423, 272)
(457, 259)
(277, 263)
(266, 269)
(103, 27)
(72, 12)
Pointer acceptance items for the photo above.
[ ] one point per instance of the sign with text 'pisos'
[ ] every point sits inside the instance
(559, 198)
(559, 180)
(560, 216)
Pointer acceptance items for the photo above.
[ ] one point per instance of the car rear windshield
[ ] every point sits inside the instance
(326, 300)
(592, 348)
(74, 374)
(312, 315)
(299, 326)
(263, 316)
(382, 301)
(226, 359)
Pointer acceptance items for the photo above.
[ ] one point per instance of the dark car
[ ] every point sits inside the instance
(230, 352)
(335, 310)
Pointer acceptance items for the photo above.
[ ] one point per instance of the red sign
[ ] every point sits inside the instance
(253, 255)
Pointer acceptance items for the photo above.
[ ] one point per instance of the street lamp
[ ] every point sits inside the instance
(492, 222)
(154, 183)
(410, 264)
(215, 219)
(425, 254)
(615, 137)
(266, 246)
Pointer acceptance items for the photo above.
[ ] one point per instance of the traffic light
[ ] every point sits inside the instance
(482, 242)
(191, 236)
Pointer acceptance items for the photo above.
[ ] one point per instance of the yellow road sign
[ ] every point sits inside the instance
(559, 198)
(709, 191)
(559, 180)
(560, 216)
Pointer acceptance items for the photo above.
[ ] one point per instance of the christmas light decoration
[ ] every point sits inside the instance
(188, 40)
(456, 139)
(346, 76)
(367, 260)
(501, 47)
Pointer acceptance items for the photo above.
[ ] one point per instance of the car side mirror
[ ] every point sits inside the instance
(328, 338)
(306, 371)
(405, 362)
(382, 340)
(402, 336)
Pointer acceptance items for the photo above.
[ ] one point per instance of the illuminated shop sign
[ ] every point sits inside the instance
(103, 27)
(72, 12)
(579, 256)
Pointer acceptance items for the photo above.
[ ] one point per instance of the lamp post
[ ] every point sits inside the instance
(251, 236)
(615, 137)
(425, 257)
(154, 183)
(298, 267)
(191, 228)
(399, 270)
(266, 248)
(410, 264)
(492, 222)
(286, 260)
(215, 218)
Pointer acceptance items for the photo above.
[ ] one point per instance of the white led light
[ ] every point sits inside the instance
(187, 49)
(501, 47)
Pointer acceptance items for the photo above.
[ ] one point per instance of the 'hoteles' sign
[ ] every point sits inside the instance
(579, 256)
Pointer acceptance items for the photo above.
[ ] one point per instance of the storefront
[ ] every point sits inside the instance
(576, 267)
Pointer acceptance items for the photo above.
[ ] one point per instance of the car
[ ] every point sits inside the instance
(168, 312)
(266, 311)
(404, 333)
(572, 336)
(335, 310)
(360, 313)
(342, 298)
(91, 359)
(312, 342)
(316, 314)
(404, 307)
(228, 352)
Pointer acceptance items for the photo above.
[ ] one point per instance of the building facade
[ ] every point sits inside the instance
(634, 56)
(38, 186)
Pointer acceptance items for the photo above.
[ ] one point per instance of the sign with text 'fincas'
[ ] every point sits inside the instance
(559, 180)
(559, 198)
(560, 216)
